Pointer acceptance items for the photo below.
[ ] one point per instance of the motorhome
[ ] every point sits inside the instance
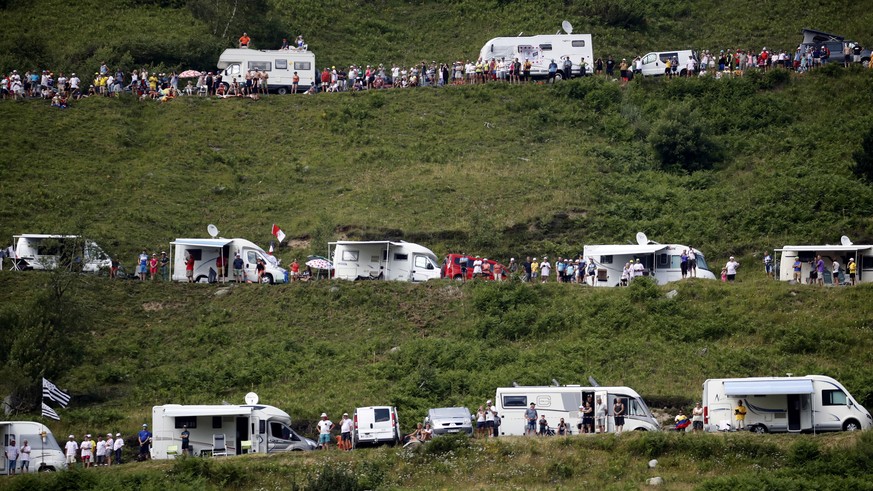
(224, 429)
(206, 252)
(280, 65)
(50, 251)
(660, 261)
(45, 453)
(783, 404)
(541, 50)
(862, 255)
(383, 260)
(556, 402)
(374, 425)
(653, 64)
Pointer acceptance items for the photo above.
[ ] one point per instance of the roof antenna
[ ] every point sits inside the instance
(593, 382)
(555, 383)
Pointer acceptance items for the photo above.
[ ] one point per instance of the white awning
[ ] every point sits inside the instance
(825, 248)
(365, 242)
(176, 411)
(213, 243)
(623, 249)
(767, 387)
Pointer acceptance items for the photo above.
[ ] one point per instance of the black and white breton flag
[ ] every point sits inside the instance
(49, 412)
(51, 392)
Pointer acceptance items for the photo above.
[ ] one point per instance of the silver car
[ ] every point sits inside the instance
(448, 420)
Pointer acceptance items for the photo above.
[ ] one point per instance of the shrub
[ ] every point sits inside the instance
(333, 478)
(681, 141)
(863, 157)
(457, 444)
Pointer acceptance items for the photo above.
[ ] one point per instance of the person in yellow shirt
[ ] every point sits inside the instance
(535, 269)
(153, 82)
(740, 415)
(853, 268)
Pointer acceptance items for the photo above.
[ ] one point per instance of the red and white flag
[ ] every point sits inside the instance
(278, 233)
(270, 252)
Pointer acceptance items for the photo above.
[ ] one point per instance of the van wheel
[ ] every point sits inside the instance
(268, 278)
(458, 277)
(683, 73)
(851, 425)
(759, 429)
(559, 76)
(282, 90)
(640, 429)
(46, 469)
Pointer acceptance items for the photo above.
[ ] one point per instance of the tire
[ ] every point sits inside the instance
(458, 277)
(559, 75)
(759, 429)
(640, 429)
(851, 425)
(268, 278)
(46, 469)
(201, 279)
(282, 90)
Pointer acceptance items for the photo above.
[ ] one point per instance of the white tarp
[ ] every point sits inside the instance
(767, 387)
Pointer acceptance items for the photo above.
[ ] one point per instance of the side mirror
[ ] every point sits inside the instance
(849, 403)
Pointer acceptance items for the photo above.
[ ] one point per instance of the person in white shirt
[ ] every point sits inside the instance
(692, 263)
(85, 448)
(731, 268)
(110, 446)
(697, 418)
(346, 432)
(24, 457)
(836, 272)
(12, 456)
(477, 267)
(600, 415)
(71, 449)
(117, 446)
(489, 421)
(324, 428)
(545, 269)
(101, 451)
(638, 269)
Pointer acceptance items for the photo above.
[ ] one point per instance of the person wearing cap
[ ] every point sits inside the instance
(142, 268)
(165, 266)
(117, 446)
(85, 447)
(852, 267)
(731, 269)
(535, 269)
(489, 420)
(638, 269)
(238, 273)
(477, 267)
(346, 432)
(530, 415)
(71, 449)
(144, 438)
(546, 269)
(110, 446)
(324, 428)
(12, 456)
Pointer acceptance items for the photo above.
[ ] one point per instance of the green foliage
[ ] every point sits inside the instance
(682, 140)
(457, 444)
(863, 157)
(333, 478)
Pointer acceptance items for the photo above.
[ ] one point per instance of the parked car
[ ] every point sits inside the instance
(449, 420)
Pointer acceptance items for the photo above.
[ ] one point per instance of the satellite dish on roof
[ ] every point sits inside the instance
(213, 230)
(567, 27)
(251, 398)
(642, 239)
(845, 241)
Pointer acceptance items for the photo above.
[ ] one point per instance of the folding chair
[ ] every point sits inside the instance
(173, 450)
(245, 446)
(219, 446)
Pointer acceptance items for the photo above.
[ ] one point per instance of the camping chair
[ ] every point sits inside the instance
(245, 446)
(219, 446)
(173, 450)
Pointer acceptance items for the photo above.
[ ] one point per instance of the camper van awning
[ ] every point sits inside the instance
(623, 249)
(207, 411)
(767, 387)
(825, 248)
(366, 242)
(216, 243)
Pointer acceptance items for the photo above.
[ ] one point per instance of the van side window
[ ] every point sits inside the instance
(281, 64)
(668, 56)
(649, 59)
(302, 65)
(867, 262)
(189, 421)
(663, 260)
(232, 70)
(251, 257)
(833, 397)
(382, 415)
(401, 257)
(278, 430)
(605, 259)
(350, 255)
(216, 422)
(579, 43)
(197, 254)
(546, 47)
(420, 262)
(263, 66)
(514, 401)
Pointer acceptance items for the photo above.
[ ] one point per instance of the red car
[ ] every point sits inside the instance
(451, 267)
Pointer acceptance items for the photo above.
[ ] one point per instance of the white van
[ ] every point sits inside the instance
(541, 50)
(660, 261)
(206, 251)
(49, 251)
(556, 402)
(280, 65)
(45, 454)
(784, 404)
(374, 425)
(654, 62)
(227, 429)
(450, 420)
(383, 260)
(862, 255)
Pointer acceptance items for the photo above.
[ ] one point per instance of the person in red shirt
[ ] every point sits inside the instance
(189, 268)
(219, 265)
(498, 272)
(244, 41)
(153, 266)
(295, 270)
(325, 79)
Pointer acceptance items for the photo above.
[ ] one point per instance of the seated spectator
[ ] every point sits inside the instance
(563, 429)
(244, 41)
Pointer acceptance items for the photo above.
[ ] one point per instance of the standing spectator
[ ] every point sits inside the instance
(598, 66)
(477, 267)
(295, 270)
(186, 440)
(489, 420)
(768, 264)
(101, 451)
(588, 418)
(153, 266)
(480, 422)
(535, 269)
(261, 268)
(324, 428)
(117, 446)
(496, 423)
(526, 72)
(592, 270)
(847, 54)
(626, 274)
(486, 268)
(189, 267)
(562, 428)
(544, 425)
(835, 271)
(692, 262)
(623, 70)
(856, 54)
(797, 267)
(85, 448)
(110, 446)
(819, 270)
(530, 414)
(638, 269)
(244, 40)
(545, 269)
(24, 456)
(165, 266)
(238, 273)
(498, 272)
(610, 66)
(513, 266)
(346, 432)
(12, 456)
(740, 415)
(852, 270)
(553, 69)
(618, 414)
(144, 438)
(568, 67)
(697, 418)
(219, 265)
(71, 449)
(528, 269)
(683, 263)
(143, 265)
(731, 269)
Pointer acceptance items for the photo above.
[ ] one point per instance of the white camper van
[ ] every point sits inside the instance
(206, 251)
(383, 260)
(47, 251)
(541, 50)
(862, 255)
(224, 429)
(779, 404)
(661, 261)
(45, 454)
(653, 64)
(374, 425)
(563, 402)
(280, 65)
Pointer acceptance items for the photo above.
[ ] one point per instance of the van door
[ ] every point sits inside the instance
(604, 398)
(281, 437)
(250, 257)
(400, 267)
(794, 410)
(423, 268)
(242, 432)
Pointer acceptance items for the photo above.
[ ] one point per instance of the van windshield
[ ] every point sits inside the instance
(701, 260)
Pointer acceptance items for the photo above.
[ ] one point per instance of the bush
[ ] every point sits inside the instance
(863, 157)
(333, 478)
(681, 141)
(457, 444)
